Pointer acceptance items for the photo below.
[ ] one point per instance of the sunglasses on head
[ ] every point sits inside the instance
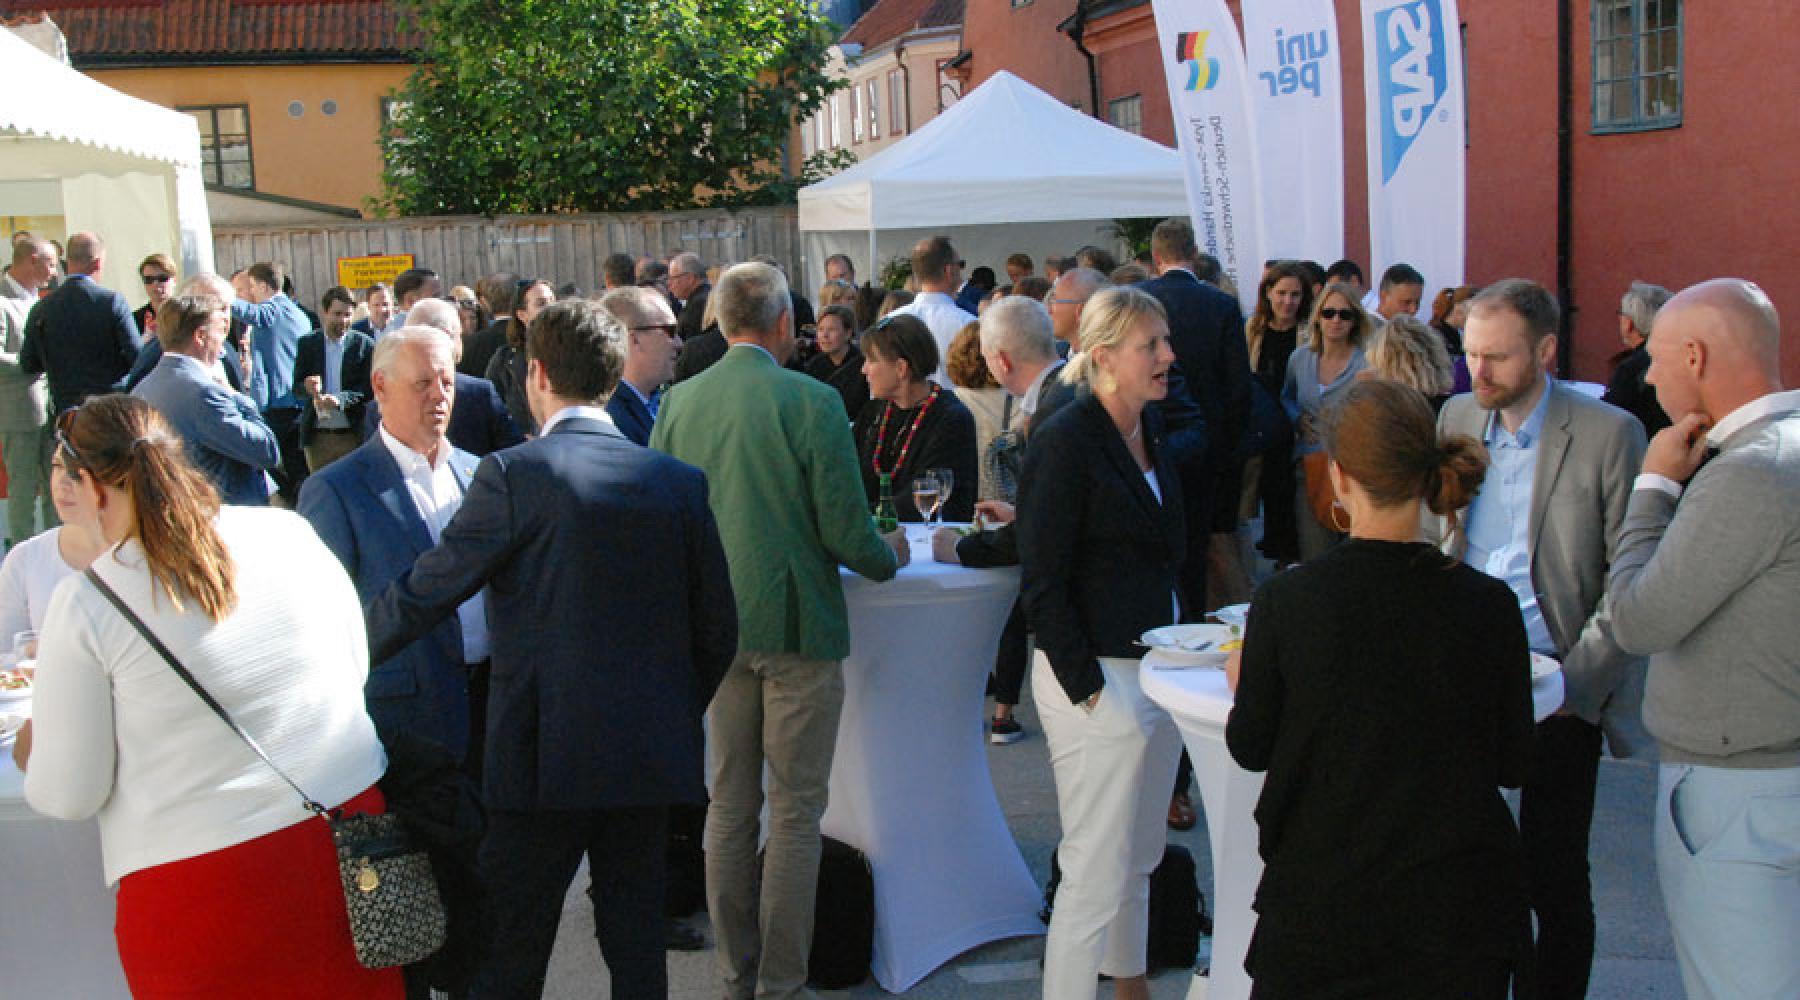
(1337, 314)
(65, 421)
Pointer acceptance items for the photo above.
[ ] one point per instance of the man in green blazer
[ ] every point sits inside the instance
(784, 488)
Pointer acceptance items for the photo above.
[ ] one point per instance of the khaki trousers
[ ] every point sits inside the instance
(781, 711)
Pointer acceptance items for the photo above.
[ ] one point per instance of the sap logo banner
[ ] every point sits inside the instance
(1413, 78)
(1203, 71)
(1298, 58)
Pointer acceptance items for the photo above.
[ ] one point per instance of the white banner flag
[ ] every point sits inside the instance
(1413, 82)
(1210, 102)
(1297, 97)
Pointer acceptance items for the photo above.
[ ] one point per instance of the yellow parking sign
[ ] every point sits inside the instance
(358, 273)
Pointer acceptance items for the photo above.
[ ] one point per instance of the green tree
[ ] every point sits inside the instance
(603, 105)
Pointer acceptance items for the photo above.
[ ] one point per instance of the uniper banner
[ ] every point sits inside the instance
(1210, 102)
(1296, 95)
(1413, 83)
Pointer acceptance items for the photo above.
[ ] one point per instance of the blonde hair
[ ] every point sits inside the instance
(1112, 315)
(1412, 354)
(1359, 333)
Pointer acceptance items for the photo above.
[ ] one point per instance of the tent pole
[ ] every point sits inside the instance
(874, 265)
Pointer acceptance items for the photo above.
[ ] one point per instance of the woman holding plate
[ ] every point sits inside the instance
(1101, 537)
(1386, 689)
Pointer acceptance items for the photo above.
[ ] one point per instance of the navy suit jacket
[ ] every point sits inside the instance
(633, 418)
(353, 377)
(363, 512)
(83, 338)
(612, 612)
(479, 421)
(1212, 360)
(226, 438)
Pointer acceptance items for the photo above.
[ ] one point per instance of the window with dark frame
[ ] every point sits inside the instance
(1127, 113)
(225, 160)
(1637, 65)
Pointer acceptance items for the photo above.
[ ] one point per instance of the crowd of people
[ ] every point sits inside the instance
(591, 547)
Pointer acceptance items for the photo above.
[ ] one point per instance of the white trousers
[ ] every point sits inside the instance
(1114, 770)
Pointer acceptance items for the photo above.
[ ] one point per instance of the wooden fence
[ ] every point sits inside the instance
(559, 248)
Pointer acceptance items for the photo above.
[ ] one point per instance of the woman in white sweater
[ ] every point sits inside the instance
(36, 565)
(227, 885)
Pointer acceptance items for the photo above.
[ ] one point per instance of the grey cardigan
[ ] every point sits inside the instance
(1709, 586)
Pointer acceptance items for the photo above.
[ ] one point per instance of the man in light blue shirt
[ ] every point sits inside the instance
(1560, 468)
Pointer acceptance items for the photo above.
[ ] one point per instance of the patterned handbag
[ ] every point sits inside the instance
(396, 915)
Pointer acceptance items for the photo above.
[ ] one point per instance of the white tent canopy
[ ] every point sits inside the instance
(1006, 155)
(104, 161)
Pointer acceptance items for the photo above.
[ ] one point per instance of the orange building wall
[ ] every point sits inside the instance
(1024, 42)
(335, 160)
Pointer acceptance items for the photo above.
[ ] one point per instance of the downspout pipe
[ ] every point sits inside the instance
(1078, 32)
(1565, 183)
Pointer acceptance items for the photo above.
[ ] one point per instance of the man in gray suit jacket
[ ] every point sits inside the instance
(24, 399)
(1707, 581)
(1545, 523)
(225, 436)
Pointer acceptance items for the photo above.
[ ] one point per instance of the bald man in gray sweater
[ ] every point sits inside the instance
(1707, 581)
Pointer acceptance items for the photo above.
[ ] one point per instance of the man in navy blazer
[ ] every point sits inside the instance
(331, 377)
(226, 438)
(652, 341)
(613, 623)
(82, 337)
(368, 510)
(1212, 360)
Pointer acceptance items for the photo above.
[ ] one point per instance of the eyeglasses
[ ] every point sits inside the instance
(1337, 314)
(157, 279)
(667, 328)
(467, 304)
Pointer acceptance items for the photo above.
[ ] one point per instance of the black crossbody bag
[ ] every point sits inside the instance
(396, 915)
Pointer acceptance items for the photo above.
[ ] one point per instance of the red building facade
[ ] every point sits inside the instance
(1703, 185)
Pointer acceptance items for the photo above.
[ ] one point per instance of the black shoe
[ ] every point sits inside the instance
(681, 937)
(1004, 731)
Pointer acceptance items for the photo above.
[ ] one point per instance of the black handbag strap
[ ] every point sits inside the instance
(204, 695)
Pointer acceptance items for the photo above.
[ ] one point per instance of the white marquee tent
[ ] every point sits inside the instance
(104, 161)
(1007, 168)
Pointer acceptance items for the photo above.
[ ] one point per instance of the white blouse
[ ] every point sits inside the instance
(27, 578)
(117, 734)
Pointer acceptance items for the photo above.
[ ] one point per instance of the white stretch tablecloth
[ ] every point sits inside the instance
(1199, 702)
(56, 912)
(910, 786)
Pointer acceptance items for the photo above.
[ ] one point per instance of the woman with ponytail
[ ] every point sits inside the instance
(1386, 690)
(227, 885)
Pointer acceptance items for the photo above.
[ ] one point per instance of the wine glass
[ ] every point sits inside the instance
(927, 496)
(946, 482)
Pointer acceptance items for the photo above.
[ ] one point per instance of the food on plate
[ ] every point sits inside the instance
(12, 680)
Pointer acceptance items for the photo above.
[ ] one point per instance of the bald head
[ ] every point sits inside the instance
(33, 262)
(85, 254)
(1067, 297)
(1714, 347)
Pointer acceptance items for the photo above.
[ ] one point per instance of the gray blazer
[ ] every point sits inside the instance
(1588, 457)
(226, 438)
(24, 399)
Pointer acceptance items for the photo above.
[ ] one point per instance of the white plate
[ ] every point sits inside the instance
(1543, 666)
(1196, 644)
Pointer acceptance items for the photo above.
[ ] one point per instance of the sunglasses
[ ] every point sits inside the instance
(158, 279)
(1337, 314)
(666, 328)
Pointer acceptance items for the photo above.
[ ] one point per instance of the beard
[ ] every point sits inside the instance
(1497, 396)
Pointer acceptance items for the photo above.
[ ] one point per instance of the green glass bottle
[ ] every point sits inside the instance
(886, 520)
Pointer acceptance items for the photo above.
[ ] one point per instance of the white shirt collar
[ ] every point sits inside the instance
(1030, 402)
(410, 460)
(1749, 413)
(577, 412)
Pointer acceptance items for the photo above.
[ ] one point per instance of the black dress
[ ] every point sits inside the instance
(847, 378)
(506, 369)
(945, 440)
(1275, 482)
(1386, 690)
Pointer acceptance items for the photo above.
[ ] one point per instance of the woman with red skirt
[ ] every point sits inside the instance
(227, 885)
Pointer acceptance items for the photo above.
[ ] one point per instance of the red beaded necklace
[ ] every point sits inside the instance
(887, 411)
